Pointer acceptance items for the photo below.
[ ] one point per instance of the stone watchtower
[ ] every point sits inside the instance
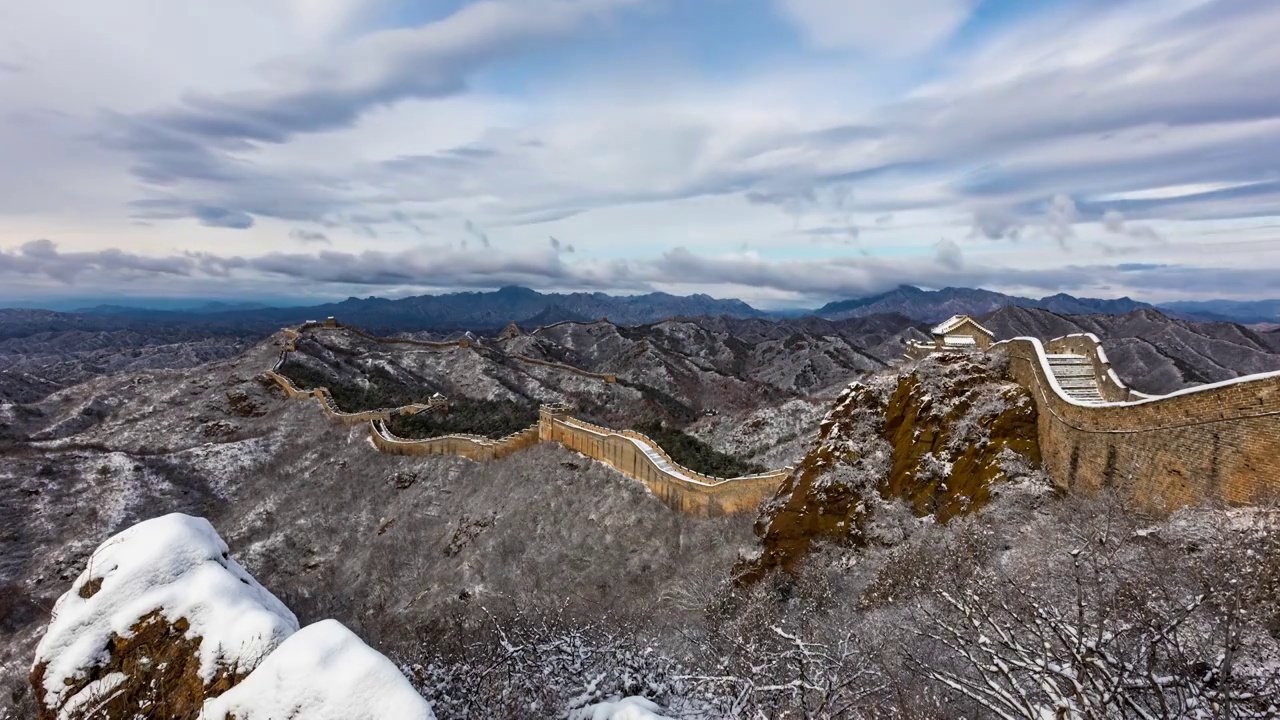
(547, 415)
(962, 332)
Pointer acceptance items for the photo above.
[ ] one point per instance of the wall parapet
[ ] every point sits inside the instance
(680, 488)
(1110, 386)
(1212, 442)
(472, 447)
(569, 368)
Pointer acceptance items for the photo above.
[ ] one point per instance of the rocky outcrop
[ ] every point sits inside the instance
(163, 620)
(160, 619)
(510, 332)
(940, 437)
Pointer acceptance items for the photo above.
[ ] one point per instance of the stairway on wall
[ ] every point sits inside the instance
(1074, 374)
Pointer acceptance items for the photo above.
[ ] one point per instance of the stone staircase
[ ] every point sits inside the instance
(1074, 374)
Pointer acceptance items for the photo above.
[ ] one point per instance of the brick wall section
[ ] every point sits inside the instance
(472, 447)
(697, 495)
(567, 368)
(1220, 443)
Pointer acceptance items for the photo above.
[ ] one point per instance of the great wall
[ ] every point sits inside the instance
(631, 453)
(1217, 442)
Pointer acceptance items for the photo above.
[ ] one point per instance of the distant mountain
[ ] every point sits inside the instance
(483, 311)
(1249, 312)
(551, 315)
(201, 309)
(937, 305)
(1151, 351)
(490, 311)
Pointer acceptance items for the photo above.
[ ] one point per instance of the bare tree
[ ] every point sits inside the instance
(1116, 630)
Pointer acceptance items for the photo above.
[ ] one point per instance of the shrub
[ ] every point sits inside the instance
(490, 418)
(382, 391)
(696, 455)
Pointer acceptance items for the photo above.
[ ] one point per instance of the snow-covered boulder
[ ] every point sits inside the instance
(161, 619)
(322, 672)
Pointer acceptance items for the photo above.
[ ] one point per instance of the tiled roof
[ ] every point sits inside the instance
(955, 322)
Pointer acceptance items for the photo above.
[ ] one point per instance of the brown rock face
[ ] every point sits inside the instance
(950, 432)
(936, 437)
(161, 676)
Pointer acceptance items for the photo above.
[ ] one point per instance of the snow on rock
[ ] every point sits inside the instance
(632, 708)
(160, 611)
(325, 672)
(943, 436)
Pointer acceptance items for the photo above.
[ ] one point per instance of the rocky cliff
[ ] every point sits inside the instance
(942, 437)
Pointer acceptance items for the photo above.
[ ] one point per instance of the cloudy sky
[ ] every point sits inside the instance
(783, 151)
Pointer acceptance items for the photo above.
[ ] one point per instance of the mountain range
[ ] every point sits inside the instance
(937, 305)
(485, 311)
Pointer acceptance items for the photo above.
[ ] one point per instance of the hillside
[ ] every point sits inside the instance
(318, 516)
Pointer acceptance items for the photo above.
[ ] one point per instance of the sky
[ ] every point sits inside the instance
(786, 152)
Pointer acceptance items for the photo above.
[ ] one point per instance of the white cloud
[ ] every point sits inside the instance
(322, 19)
(380, 140)
(899, 29)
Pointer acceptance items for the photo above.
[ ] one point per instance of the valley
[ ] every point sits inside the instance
(408, 550)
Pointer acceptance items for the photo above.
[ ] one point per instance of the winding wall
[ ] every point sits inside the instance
(628, 452)
(638, 457)
(472, 447)
(1217, 442)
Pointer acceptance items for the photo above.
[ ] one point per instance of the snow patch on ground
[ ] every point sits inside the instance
(221, 463)
(632, 708)
(324, 672)
(179, 566)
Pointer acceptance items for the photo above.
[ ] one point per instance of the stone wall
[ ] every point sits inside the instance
(1110, 386)
(680, 488)
(331, 408)
(436, 344)
(1216, 442)
(472, 447)
(567, 368)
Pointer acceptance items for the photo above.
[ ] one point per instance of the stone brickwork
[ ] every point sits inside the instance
(1110, 386)
(1212, 443)
(680, 488)
(472, 447)
(566, 368)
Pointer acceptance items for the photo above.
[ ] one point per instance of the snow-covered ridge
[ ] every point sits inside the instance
(322, 672)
